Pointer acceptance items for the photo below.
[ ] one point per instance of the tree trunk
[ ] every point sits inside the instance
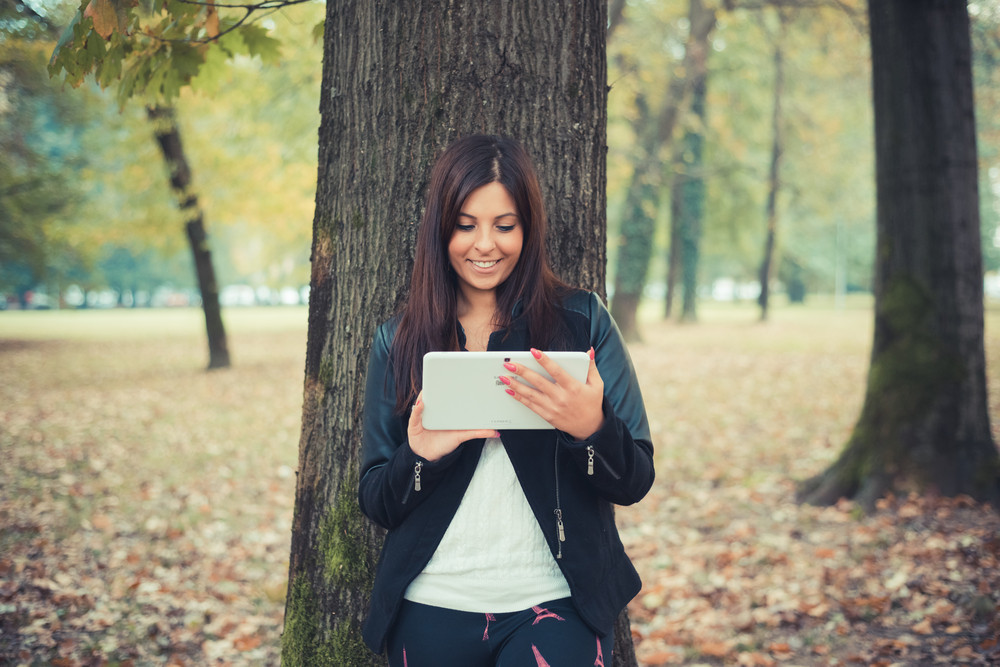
(774, 173)
(168, 137)
(635, 245)
(690, 183)
(643, 197)
(400, 81)
(924, 426)
(674, 247)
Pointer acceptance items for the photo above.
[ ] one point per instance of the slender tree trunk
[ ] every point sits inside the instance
(169, 139)
(774, 173)
(924, 425)
(673, 250)
(400, 81)
(690, 183)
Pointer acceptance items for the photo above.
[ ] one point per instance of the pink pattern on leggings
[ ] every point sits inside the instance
(486, 632)
(600, 654)
(538, 656)
(541, 614)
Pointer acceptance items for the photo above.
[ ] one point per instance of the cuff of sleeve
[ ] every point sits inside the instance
(606, 430)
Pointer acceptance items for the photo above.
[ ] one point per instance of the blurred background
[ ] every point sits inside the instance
(88, 219)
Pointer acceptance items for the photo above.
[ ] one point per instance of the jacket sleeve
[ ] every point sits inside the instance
(622, 449)
(387, 491)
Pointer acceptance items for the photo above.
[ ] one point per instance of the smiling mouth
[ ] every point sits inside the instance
(485, 265)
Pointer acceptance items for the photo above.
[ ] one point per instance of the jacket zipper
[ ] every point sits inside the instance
(591, 453)
(416, 475)
(560, 528)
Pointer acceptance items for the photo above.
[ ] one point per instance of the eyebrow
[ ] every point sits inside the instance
(463, 214)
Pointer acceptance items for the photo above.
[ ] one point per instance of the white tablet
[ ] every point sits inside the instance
(462, 390)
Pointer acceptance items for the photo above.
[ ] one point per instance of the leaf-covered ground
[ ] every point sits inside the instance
(145, 505)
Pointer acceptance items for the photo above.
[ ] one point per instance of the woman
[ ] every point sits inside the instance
(502, 547)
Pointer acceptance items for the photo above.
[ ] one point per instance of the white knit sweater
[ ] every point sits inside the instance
(493, 557)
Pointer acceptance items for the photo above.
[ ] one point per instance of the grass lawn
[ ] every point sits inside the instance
(146, 504)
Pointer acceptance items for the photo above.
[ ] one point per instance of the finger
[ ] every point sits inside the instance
(417, 413)
(525, 392)
(593, 375)
(529, 376)
(559, 376)
(473, 435)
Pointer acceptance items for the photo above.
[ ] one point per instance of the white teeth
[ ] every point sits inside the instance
(485, 265)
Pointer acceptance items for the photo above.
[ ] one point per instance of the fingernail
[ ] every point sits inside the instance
(591, 354)
(509, 366)
(536, 354)
(496, 434)
(509, 391)
(505, 379)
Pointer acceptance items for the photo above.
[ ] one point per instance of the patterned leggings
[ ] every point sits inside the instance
(549, 635)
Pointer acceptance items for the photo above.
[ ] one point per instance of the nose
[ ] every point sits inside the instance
(484, 240)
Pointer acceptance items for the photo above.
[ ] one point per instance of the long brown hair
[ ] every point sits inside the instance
(429, 317)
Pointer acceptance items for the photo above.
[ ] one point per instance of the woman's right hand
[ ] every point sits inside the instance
(432, 445)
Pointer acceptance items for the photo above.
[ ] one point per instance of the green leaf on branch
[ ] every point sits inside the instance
(259, 43)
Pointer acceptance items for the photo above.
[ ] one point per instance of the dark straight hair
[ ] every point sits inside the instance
(429, 317)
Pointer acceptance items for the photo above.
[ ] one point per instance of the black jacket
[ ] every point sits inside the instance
(551, 467)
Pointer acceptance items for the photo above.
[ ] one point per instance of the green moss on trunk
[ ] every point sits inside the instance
(342, 547)
(302, 643)
(300, 636)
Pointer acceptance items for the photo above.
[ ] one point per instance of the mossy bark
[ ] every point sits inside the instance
(400, 81)
(925, 425)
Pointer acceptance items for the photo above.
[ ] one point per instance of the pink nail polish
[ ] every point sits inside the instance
(536, 354)
(591, 353)
(496, 434)
(505, 379)
(509, 366)
(509, 391)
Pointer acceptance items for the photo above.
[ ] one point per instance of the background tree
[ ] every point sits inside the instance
(168, 136)
(154, 54)
(774, 171)
(400, 81)
(688, 191)
(40, 149)
(924, 425)
(654, 130)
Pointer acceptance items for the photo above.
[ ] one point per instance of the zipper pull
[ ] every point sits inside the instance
(590, 459)
(561, 530)
(416, 475)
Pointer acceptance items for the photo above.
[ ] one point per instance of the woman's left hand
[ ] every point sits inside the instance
(569, 405)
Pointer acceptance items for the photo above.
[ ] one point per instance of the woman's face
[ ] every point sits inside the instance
(486, 243)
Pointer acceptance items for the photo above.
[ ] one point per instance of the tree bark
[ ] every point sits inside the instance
(924, 425)
(774, 172)
(400, 81)
(168, 137)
